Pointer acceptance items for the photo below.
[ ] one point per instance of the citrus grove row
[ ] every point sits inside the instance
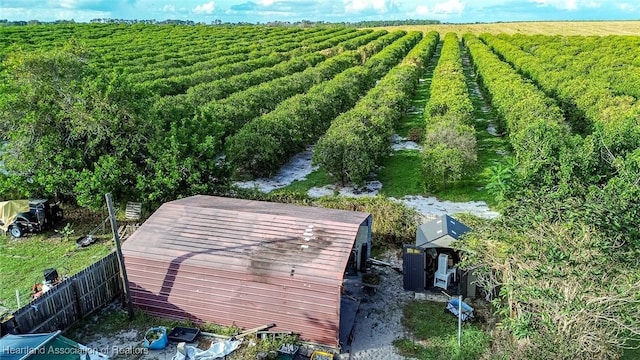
(148, 111)
(153, 112)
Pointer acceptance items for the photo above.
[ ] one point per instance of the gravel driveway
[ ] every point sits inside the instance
(377, 323)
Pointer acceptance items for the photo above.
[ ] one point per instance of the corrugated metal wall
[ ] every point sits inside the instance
(246, 264)
(228, 298)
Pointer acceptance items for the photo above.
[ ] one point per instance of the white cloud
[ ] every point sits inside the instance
(169, 8)
(352, 6)
(205, 8)
(626, 7)
(69, 4)
(266, 2)
(450, 7)
(568, 4)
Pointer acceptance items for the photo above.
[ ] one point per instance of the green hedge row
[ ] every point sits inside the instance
(606, 60)
(209, 91)
(228, 115)
(537, 130)
(143, 54)
(172, 81)
(254, 93)
(192, 65)
(358, 139)
(610, 122)
(267, 142)
(449, 144)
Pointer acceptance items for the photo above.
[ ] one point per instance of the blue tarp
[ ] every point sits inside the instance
(467, 311)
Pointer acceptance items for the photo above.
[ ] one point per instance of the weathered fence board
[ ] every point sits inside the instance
(71, 300)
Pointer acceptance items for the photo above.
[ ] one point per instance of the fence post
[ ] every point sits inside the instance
(76, 295)
(460, 321)
(123, 271)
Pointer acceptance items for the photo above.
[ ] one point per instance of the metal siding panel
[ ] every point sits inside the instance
(413, 268)
(431, 231)
(204, 295)
(455, 228)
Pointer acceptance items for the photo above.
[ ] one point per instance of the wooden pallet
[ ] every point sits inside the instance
(133, 211)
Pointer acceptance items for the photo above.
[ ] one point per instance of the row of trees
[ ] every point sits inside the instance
(205, 92)
(115, 46)
(200, 133)
(147, 70)
(612, 120)
(609, 60)
(449, 145)
(358, 140)
(562, 259)
(159, 43)
(267, 142)
(76, 131)
(170, 82)
(226, 116)
(536, 126)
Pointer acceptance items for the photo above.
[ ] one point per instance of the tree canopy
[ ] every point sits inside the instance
(70, 129)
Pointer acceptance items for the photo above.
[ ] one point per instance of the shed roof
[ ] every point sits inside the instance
(260, 238)
(440, 232)
(43, 346)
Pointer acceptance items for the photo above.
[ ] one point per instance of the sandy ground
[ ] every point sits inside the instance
(296, 169)
(400, 143)
(378, 323)
(300, 166)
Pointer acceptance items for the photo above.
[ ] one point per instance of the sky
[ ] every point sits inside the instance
(262, 11)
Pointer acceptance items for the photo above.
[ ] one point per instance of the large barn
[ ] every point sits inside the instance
(248, 263)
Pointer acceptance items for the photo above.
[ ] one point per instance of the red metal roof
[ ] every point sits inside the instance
(231, 261)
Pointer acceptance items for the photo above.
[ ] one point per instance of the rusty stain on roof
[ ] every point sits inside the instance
(232, 261)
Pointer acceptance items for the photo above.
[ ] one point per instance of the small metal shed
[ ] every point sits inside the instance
(247, 263)
(440, 232)
(432, 237)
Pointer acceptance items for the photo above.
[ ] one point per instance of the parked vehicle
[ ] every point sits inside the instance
(29, 216)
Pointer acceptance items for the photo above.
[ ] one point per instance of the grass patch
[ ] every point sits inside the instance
(24, 260)
(415, 117)
(401, 174)
(316, 178)
(435, 333)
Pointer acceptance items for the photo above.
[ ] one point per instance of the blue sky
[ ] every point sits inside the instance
(453, 11)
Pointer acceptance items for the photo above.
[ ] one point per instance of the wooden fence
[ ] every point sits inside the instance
(69, 301)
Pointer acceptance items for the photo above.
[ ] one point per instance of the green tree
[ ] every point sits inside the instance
(449, 152)
(70, 129)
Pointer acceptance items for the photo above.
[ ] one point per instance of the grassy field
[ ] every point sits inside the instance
(435, 334)
(599, 28)
(23, 260)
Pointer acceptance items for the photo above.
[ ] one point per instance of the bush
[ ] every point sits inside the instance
(566, 290)
(394, 224)
(449, 152)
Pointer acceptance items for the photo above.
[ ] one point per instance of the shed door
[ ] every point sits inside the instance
(413, 268)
